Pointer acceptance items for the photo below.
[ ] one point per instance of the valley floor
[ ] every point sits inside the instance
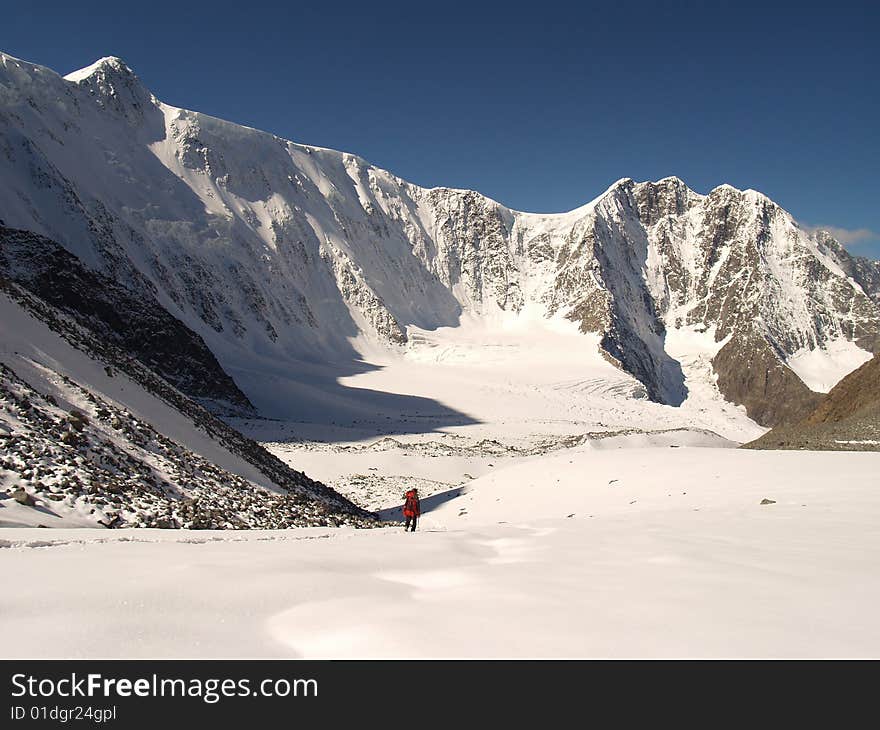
(521, 387)
(587, 552)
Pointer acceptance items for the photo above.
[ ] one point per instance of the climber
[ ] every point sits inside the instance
(412, 508)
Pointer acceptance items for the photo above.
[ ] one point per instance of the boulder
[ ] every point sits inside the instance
(22, 497)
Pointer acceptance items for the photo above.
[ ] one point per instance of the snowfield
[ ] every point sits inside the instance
(618, 551)
(525, 387)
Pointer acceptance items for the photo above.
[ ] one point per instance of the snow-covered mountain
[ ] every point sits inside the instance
(284, 257)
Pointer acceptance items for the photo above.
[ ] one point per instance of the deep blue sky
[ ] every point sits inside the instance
(540, 108)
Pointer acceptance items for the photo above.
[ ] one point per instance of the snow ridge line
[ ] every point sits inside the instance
(484, 447)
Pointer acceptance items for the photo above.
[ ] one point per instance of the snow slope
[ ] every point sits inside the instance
(821, 369)
(677, 558)
(40, 356)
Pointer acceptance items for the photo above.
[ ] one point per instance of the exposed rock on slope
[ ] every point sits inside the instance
(104, 464)
(90, 432)
(856, 396)
(751, 374)
(847, 418)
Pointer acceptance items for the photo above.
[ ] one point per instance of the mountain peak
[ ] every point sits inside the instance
(673, 182)
(114, 86)
(724, 188)
(112, 65)
(623, 182)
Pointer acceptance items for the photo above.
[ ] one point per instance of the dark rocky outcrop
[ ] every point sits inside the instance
(134, 322)
(750, 374)
(846, 419)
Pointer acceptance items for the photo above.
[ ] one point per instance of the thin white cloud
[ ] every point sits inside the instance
(849, 236)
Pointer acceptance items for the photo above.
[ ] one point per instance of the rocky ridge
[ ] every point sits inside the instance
(106, 465)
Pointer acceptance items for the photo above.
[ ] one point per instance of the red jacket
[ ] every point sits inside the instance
(412, 507)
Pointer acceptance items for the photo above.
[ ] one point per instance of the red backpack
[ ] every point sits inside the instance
(411, 506)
